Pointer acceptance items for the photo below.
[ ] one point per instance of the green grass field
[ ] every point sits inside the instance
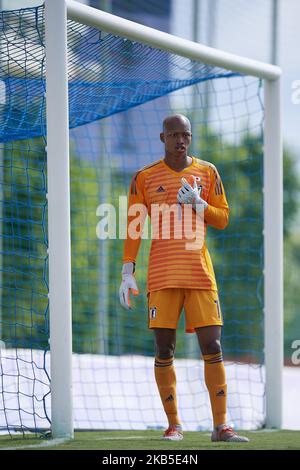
(152, 440)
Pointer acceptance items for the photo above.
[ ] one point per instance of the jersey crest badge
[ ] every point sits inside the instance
(152, 312)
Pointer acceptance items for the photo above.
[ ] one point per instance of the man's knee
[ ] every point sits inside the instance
(164, 349)
(211, 347)
(165, 344)
(165, 352)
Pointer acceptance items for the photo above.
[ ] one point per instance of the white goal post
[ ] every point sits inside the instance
(56, 14)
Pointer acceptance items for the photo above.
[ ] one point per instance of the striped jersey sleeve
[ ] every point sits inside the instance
(136, 215)
(217, 212)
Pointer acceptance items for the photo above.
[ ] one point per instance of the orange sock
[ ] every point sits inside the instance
(215, 380)
(166, 382)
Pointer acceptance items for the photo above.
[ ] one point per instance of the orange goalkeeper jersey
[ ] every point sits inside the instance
(171, 264)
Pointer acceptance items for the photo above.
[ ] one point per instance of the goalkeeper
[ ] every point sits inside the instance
(179, 277)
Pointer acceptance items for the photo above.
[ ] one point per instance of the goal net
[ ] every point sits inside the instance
(119, 93)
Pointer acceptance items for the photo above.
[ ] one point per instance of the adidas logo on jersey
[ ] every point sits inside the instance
(161, 189)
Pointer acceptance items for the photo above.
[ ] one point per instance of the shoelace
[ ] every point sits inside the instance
(227, 429)
(173, 429)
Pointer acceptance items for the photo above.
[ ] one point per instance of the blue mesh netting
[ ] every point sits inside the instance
(104, 74)
(119, 92)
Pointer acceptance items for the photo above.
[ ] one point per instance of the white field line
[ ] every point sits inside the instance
(127, 438)
(51, 442)
(265, 430)
(58, 441)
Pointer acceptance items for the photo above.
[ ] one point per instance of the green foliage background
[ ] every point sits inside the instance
(100, 325)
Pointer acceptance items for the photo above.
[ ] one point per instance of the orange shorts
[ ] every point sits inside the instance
(201, 307)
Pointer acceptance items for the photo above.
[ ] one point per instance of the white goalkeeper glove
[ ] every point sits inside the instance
(189, 194)
(128, 285)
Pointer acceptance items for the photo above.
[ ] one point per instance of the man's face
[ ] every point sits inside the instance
(177, 137)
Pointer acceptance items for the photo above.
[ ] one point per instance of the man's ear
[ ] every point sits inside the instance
(162, 137)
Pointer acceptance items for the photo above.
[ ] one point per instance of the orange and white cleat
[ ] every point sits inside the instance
(173, 433)
(226, 434)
